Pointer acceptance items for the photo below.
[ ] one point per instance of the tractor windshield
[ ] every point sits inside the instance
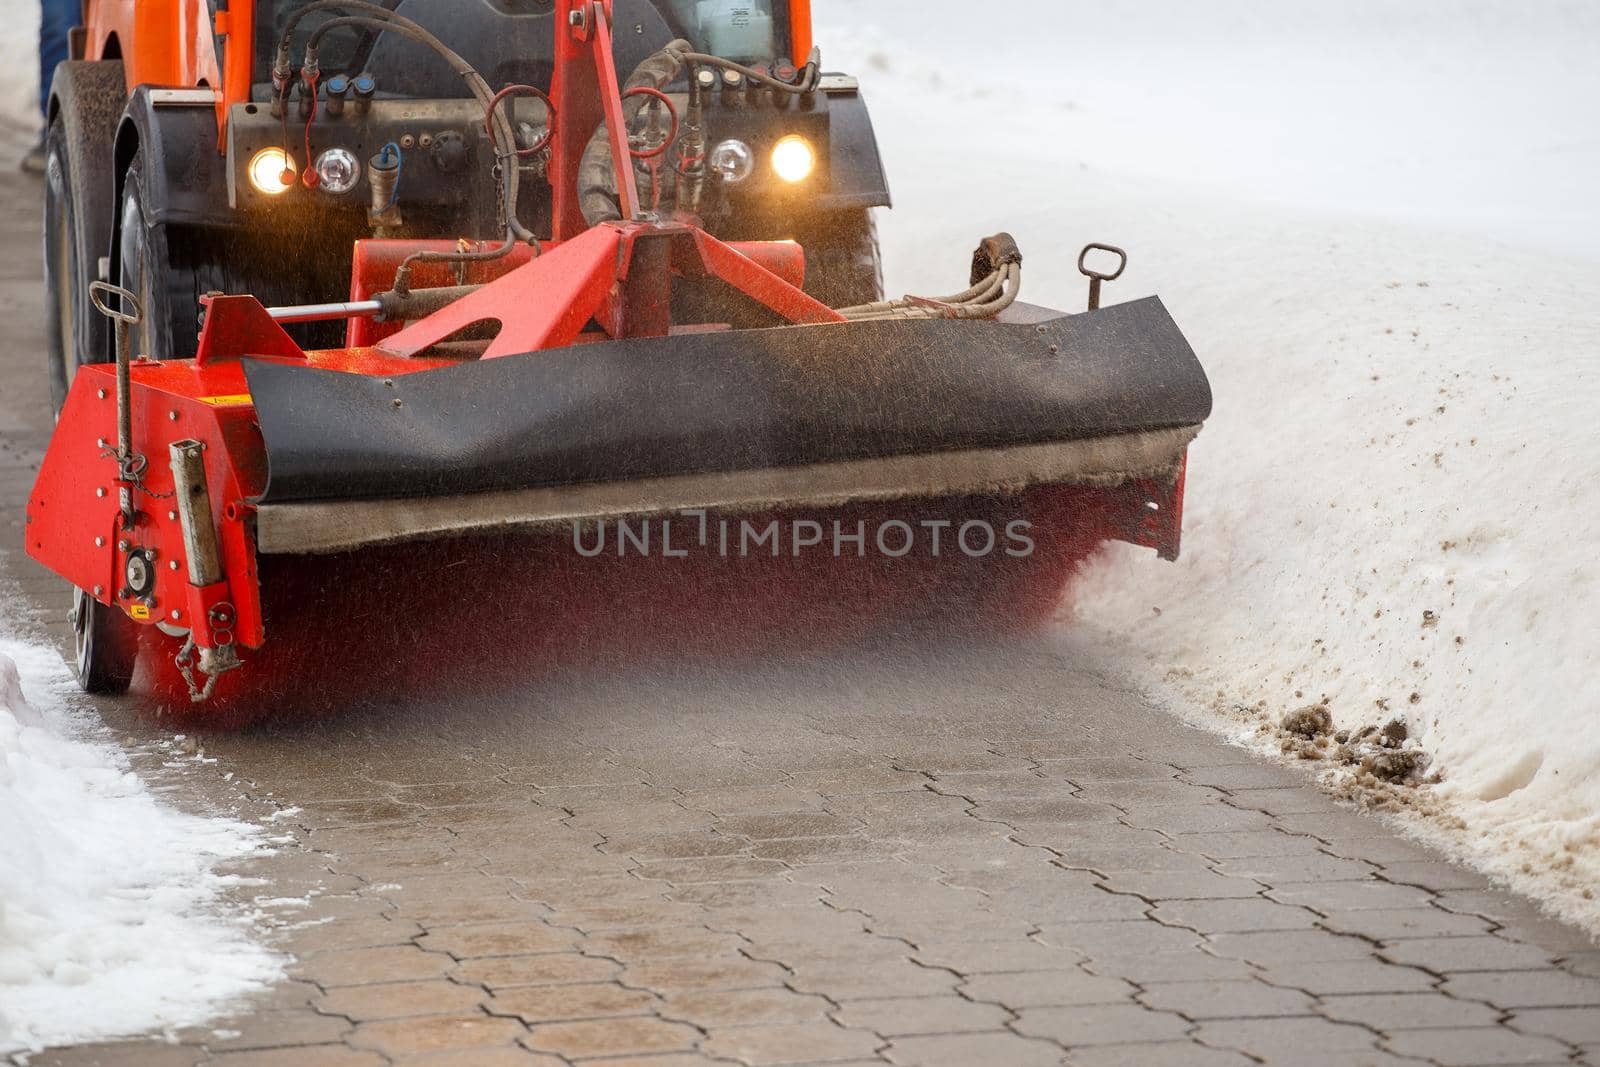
(512, 41)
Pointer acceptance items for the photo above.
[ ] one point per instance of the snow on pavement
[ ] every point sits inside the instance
(1395, 505)
(110, 921)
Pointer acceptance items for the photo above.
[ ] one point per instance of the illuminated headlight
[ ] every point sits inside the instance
(271, 171)
(794, 159)
(733, 161)
(337, 171)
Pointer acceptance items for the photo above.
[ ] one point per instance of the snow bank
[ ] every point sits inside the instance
(1395, 511)
(109, 922)
(1396, 504)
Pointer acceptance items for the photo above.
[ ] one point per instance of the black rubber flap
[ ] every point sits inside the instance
(726, 401)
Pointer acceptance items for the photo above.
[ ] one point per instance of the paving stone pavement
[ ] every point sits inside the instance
(925, 855)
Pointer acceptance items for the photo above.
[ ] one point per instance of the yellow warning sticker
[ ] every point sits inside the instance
(231, 400)
(139, 611)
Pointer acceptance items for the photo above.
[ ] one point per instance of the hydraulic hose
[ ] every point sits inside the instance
(505, 135)
(597, 178)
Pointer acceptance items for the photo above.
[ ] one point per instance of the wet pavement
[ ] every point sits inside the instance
(919, 853)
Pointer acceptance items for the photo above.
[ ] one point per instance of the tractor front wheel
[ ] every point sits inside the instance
(106, 644)
(844, 267)
(78, 212)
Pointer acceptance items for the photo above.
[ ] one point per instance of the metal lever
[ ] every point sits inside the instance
(128, 471)
(1096, 277)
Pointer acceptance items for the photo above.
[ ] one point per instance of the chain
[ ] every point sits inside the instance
(198, 694)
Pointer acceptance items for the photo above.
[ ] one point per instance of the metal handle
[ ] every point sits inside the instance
(1096, 277)
(127, 299)
(129, 467)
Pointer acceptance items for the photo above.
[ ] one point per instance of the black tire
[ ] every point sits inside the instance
(170, 327)
(169, 268)
(78, 213)
(106, 646)
(844, 266)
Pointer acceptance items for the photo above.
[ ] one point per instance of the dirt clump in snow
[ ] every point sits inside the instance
(1310, 722)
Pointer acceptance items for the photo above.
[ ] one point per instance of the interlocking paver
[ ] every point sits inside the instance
(1109, 1025)
(593, 1038)
(666, 976)
(1398, 924)
(1233, 916)
(268, 1029)
(303, 1056)
(1103, 940)
(966, 1050)
(395, 1000)
(1526, 989)
(1323, 977)
(1299, 867)
(996, 957)
(538, 1004)
(1158, 1054)
(792, 1043)
(744, 1007)
(1190, 966)
(1473, 1046)
(367, 965)
(435, 1033)
(549, 968)
(497, 939)
(1578, 1026)
(905, 1016)
(1389, 1012)
(1290, 946)
(1350, 896)
(1457, 955)
(1225, 1000)
(1284, 1040)
(506, 1056)
(1030, 989)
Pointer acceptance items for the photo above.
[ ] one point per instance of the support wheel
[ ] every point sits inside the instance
(106, 644)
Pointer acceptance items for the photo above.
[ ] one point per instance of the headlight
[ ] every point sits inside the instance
(338, 171)
(794, 159)
(732, 161)
(271, 171)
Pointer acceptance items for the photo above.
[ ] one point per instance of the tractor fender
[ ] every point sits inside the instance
(859, 180)
(185, 176)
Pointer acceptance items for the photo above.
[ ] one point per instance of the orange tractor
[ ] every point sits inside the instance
(338, 280)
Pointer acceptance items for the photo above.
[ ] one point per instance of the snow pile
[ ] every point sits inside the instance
(1394, 512)
(1395, 505)
(108, 920)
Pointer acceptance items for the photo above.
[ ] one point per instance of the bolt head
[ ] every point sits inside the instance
(101, 393)
(98, 590)
(173, 415)
(99, 542)
(173, 564)
(172, 515)
(100, 491)
(176, 613)
(122, 546)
